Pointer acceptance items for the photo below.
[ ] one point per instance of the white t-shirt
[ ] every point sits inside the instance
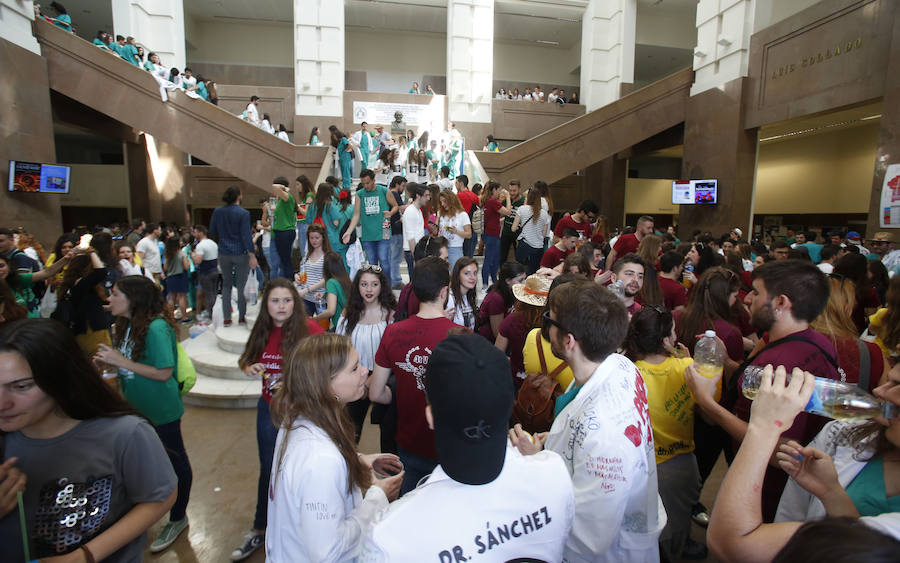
(459, 221)
(413, 226)
(150, 255)
(266, 126)
(532, 231)
(208, 248)
(252, 114)
(188, 82)
(446, 184)
(283, 136)
(311, 516)
(463, 315)
(552, 98)
(825, 267)
(526, 511)
(381, 173)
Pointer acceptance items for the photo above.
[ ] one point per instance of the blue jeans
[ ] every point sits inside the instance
(396, 256)
(235, 269)
(415, 467)
(491, 259)
(454, 253)
(271, 254)
(284, 242)
(409, 262)
(170, 436)
(529, 256)
(266, 433)
(379, 252)
(470, 244)
(301, 238)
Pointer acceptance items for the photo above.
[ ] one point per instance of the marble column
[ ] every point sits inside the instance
(722, 54)
(607, 51)
(26, 130)
(888, 136)
(156, 24)
(716, 146)
(604, 183)
(15, 24)
(319, 62)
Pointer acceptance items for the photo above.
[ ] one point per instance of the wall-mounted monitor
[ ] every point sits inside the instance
(690, 192)
(37, 177)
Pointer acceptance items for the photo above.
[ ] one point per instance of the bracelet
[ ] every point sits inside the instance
(88, 556)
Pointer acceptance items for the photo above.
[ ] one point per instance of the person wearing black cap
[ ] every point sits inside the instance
(485, 498)
(602, 430)
(404, 349)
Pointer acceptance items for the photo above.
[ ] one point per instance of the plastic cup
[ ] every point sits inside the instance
(386, 466)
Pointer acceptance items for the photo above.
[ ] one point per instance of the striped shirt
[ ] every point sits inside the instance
(313, 276)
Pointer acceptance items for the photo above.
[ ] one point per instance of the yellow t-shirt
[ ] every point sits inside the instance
(876, 319)
(533, 361)
(671, 406)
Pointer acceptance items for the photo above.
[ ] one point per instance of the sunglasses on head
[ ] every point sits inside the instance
(370, 268)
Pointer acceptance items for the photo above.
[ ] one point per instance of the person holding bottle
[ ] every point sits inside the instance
(738, 527)
(787, 296)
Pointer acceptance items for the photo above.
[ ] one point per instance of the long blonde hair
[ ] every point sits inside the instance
(451, 205)
(306, 392)
(835, 320)
(649, 249)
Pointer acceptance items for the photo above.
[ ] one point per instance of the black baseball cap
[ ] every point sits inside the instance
(470, 390)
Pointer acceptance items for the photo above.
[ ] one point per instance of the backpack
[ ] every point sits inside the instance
(536, 399)
(478, 221)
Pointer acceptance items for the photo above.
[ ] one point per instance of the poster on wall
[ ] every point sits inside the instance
(890, 198)
(427, 116)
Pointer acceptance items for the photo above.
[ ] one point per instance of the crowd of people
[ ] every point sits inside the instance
(557, 95)
(557, 404)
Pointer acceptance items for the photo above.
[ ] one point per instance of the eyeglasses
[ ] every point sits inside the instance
(370, 268)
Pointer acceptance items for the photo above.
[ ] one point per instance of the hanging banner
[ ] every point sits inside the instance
(414, 115)
(890, 198)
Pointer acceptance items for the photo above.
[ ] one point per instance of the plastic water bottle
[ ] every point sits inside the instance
(618, 289)
(832, 399)
(709, 358)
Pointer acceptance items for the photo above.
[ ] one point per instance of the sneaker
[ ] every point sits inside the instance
(252, 542)
(227, 323)
(168, 535)
(700, 515)
(694, 551)
(242, 322)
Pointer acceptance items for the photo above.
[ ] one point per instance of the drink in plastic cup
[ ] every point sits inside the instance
(302, 277)
(386, 465)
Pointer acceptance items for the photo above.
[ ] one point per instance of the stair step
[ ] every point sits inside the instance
(221, 393)
(232, 338)
(212, 360)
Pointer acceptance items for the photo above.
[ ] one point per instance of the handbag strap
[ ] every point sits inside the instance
(865, 365)
(540, 346)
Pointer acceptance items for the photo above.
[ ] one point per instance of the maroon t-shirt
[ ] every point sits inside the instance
(467, 198)
(492, 217)
(514, 329)
(727, 332)
(809, 358)
(405, 349)
(553, 257)
(491, 305)
(569, 223)
(674, 294)
(626, 244)
(272, 358)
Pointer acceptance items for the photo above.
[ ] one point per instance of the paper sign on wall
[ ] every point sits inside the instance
(890, 198)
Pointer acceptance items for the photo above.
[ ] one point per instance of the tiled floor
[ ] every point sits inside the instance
(222, 448)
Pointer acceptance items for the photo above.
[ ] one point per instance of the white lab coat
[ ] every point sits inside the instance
(605, 438)
(312, 517)
(253, 114)
(525, 512)
(799, 505)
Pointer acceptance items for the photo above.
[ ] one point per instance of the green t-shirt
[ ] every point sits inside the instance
(23, 291)
(129, 53)
(285, 216)
(334, 286)
(159, 401)
(867, 490)
(371, 207)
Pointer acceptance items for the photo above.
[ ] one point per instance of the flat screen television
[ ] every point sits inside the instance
(691, 192)
(37, 177)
